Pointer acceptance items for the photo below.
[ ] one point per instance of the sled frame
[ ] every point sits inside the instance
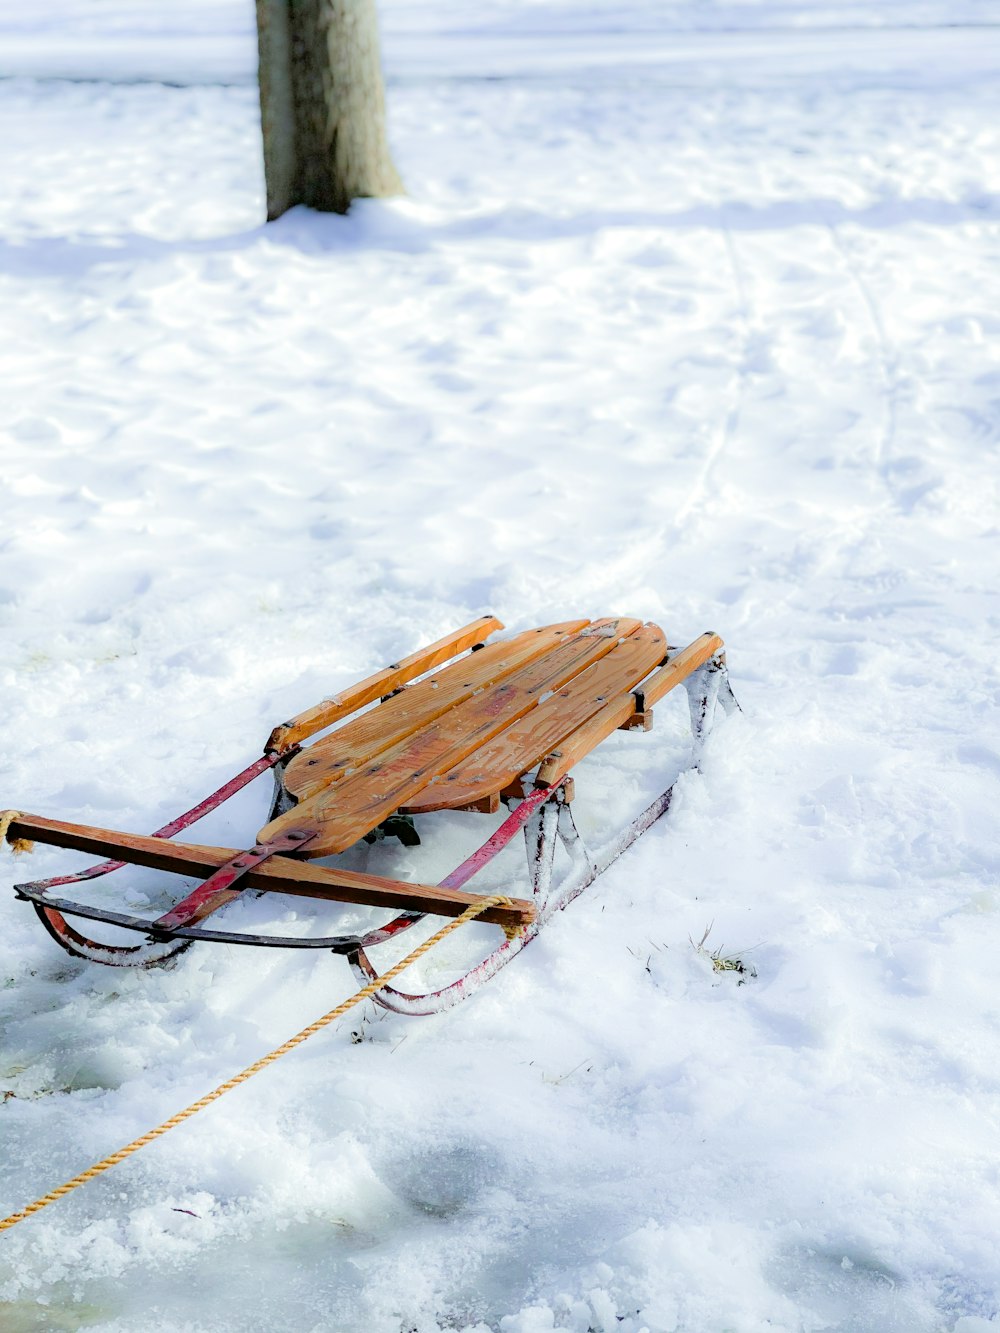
(540, 804)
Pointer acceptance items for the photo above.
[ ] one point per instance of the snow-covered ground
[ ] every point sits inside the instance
(695, 325)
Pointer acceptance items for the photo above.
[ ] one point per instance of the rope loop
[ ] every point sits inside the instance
(471, 912)
(18, 845)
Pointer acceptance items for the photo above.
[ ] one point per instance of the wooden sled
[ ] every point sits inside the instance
(502, 722)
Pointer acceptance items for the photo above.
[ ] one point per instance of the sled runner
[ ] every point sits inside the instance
(460, 725)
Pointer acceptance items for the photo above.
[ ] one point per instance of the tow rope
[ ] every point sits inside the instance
(470, 913)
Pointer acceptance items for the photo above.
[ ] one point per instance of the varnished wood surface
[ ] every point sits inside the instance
(679, 667)
(364, 738)
(280, 874)
(623, 712)
(520, 746)
(342, 814)
(579, 743)
(349, 700)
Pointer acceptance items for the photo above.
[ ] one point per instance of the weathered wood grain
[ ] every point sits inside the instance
(364, 738)
(341, 814)
(383, 682)
(679, 667)
(497, 761)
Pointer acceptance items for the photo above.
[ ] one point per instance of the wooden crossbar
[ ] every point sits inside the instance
(280, 874)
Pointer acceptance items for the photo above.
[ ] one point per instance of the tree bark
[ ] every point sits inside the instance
(322, 105)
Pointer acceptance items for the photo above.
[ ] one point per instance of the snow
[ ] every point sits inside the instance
(214, 41)
(710, 339)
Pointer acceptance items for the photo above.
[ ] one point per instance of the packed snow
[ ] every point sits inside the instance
(690, 313)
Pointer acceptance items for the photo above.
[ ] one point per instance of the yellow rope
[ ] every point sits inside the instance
(18, 845)
(114, 1158)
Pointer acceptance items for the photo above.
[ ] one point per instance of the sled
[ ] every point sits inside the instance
(460, 725)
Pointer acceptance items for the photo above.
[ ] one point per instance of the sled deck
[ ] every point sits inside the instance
(463, 724)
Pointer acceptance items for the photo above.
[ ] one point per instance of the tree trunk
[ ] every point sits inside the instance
(322, 105)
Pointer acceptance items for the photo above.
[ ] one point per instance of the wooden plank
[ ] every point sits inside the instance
(342, 814)
(679, 667)
(624, 713)
(521, 745)
(331, 710)
(363, 738)
(579, 743)
(280, 874)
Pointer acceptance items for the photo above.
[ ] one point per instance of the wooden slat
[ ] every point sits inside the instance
(342, 814)
(382, 682)
(579, 743)
(365, 737)
(520, 746)
(601, 725)
(679, 667)
(280, 874)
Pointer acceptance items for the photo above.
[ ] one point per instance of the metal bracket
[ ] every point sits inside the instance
(282, 801)
(552, 822)
(223, 884)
